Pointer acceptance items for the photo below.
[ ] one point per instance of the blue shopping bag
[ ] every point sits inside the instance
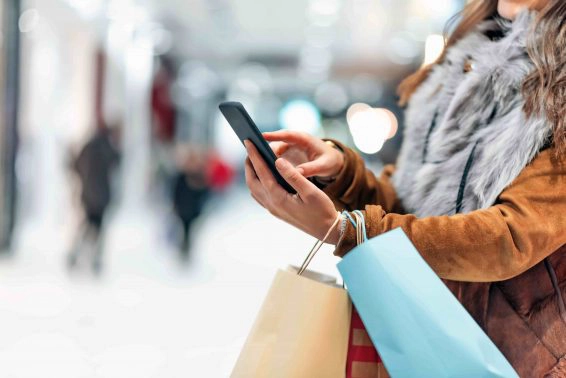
(417, 325)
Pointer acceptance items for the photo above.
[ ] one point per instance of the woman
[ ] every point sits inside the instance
(480, 183)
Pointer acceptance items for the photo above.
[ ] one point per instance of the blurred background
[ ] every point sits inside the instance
(130, 246)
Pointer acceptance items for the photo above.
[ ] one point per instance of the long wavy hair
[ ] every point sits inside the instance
(544, 89)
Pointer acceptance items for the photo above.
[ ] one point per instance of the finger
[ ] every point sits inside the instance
(260, 203)
(258, 193)
(279, 148)
(312, 168)
(263, 172)
(249, 171)
(304, 187)
(288, 136)
(256, 189)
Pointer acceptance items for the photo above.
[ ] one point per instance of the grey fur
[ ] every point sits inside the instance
(482, 107)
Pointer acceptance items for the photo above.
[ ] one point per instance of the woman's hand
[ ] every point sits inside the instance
(312, 156)
(310, 210)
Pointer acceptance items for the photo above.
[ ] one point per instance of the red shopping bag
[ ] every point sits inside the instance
(363, 361)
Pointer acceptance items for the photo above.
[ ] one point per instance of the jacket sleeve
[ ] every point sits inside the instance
(525, 226)
(356, 186)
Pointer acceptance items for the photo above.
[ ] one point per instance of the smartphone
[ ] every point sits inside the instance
(245, 129)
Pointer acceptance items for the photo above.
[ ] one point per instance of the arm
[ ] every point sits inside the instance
(356, 186)
(524, 227)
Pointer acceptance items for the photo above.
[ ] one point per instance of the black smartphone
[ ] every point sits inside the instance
(245, 128)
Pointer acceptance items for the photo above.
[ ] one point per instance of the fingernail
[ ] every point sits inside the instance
(301, 171)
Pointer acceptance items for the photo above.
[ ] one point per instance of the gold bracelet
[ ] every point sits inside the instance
(333, 145)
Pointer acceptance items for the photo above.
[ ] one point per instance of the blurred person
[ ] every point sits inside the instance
(165, 122)
(480, 183)
(190, 191)
(163, 110)
(94, 167)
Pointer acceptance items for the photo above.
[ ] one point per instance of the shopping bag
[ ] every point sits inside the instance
(419, 328)
(362, 361)
(301, 330)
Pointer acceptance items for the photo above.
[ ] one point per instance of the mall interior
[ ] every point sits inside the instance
(160, 269)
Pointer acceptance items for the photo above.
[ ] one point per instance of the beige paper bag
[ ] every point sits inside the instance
(301, 331)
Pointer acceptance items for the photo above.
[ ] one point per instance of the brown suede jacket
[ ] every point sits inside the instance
(499, 261)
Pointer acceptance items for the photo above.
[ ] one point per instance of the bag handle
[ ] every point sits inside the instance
(318, 245)
(358, 221)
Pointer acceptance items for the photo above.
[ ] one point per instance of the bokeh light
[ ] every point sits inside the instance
(403, 48)
(331, 97)
(394, 125)
(354, 109)
(370, 128)
(433, 48)
(29, 20)
(300, 115)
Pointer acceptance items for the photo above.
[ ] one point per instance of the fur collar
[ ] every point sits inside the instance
(466, 137)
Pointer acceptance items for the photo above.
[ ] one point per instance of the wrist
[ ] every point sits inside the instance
(335, 231)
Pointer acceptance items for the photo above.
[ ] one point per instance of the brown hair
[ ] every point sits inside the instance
(544, 89)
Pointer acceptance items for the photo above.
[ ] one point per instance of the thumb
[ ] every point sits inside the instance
(294, 177)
